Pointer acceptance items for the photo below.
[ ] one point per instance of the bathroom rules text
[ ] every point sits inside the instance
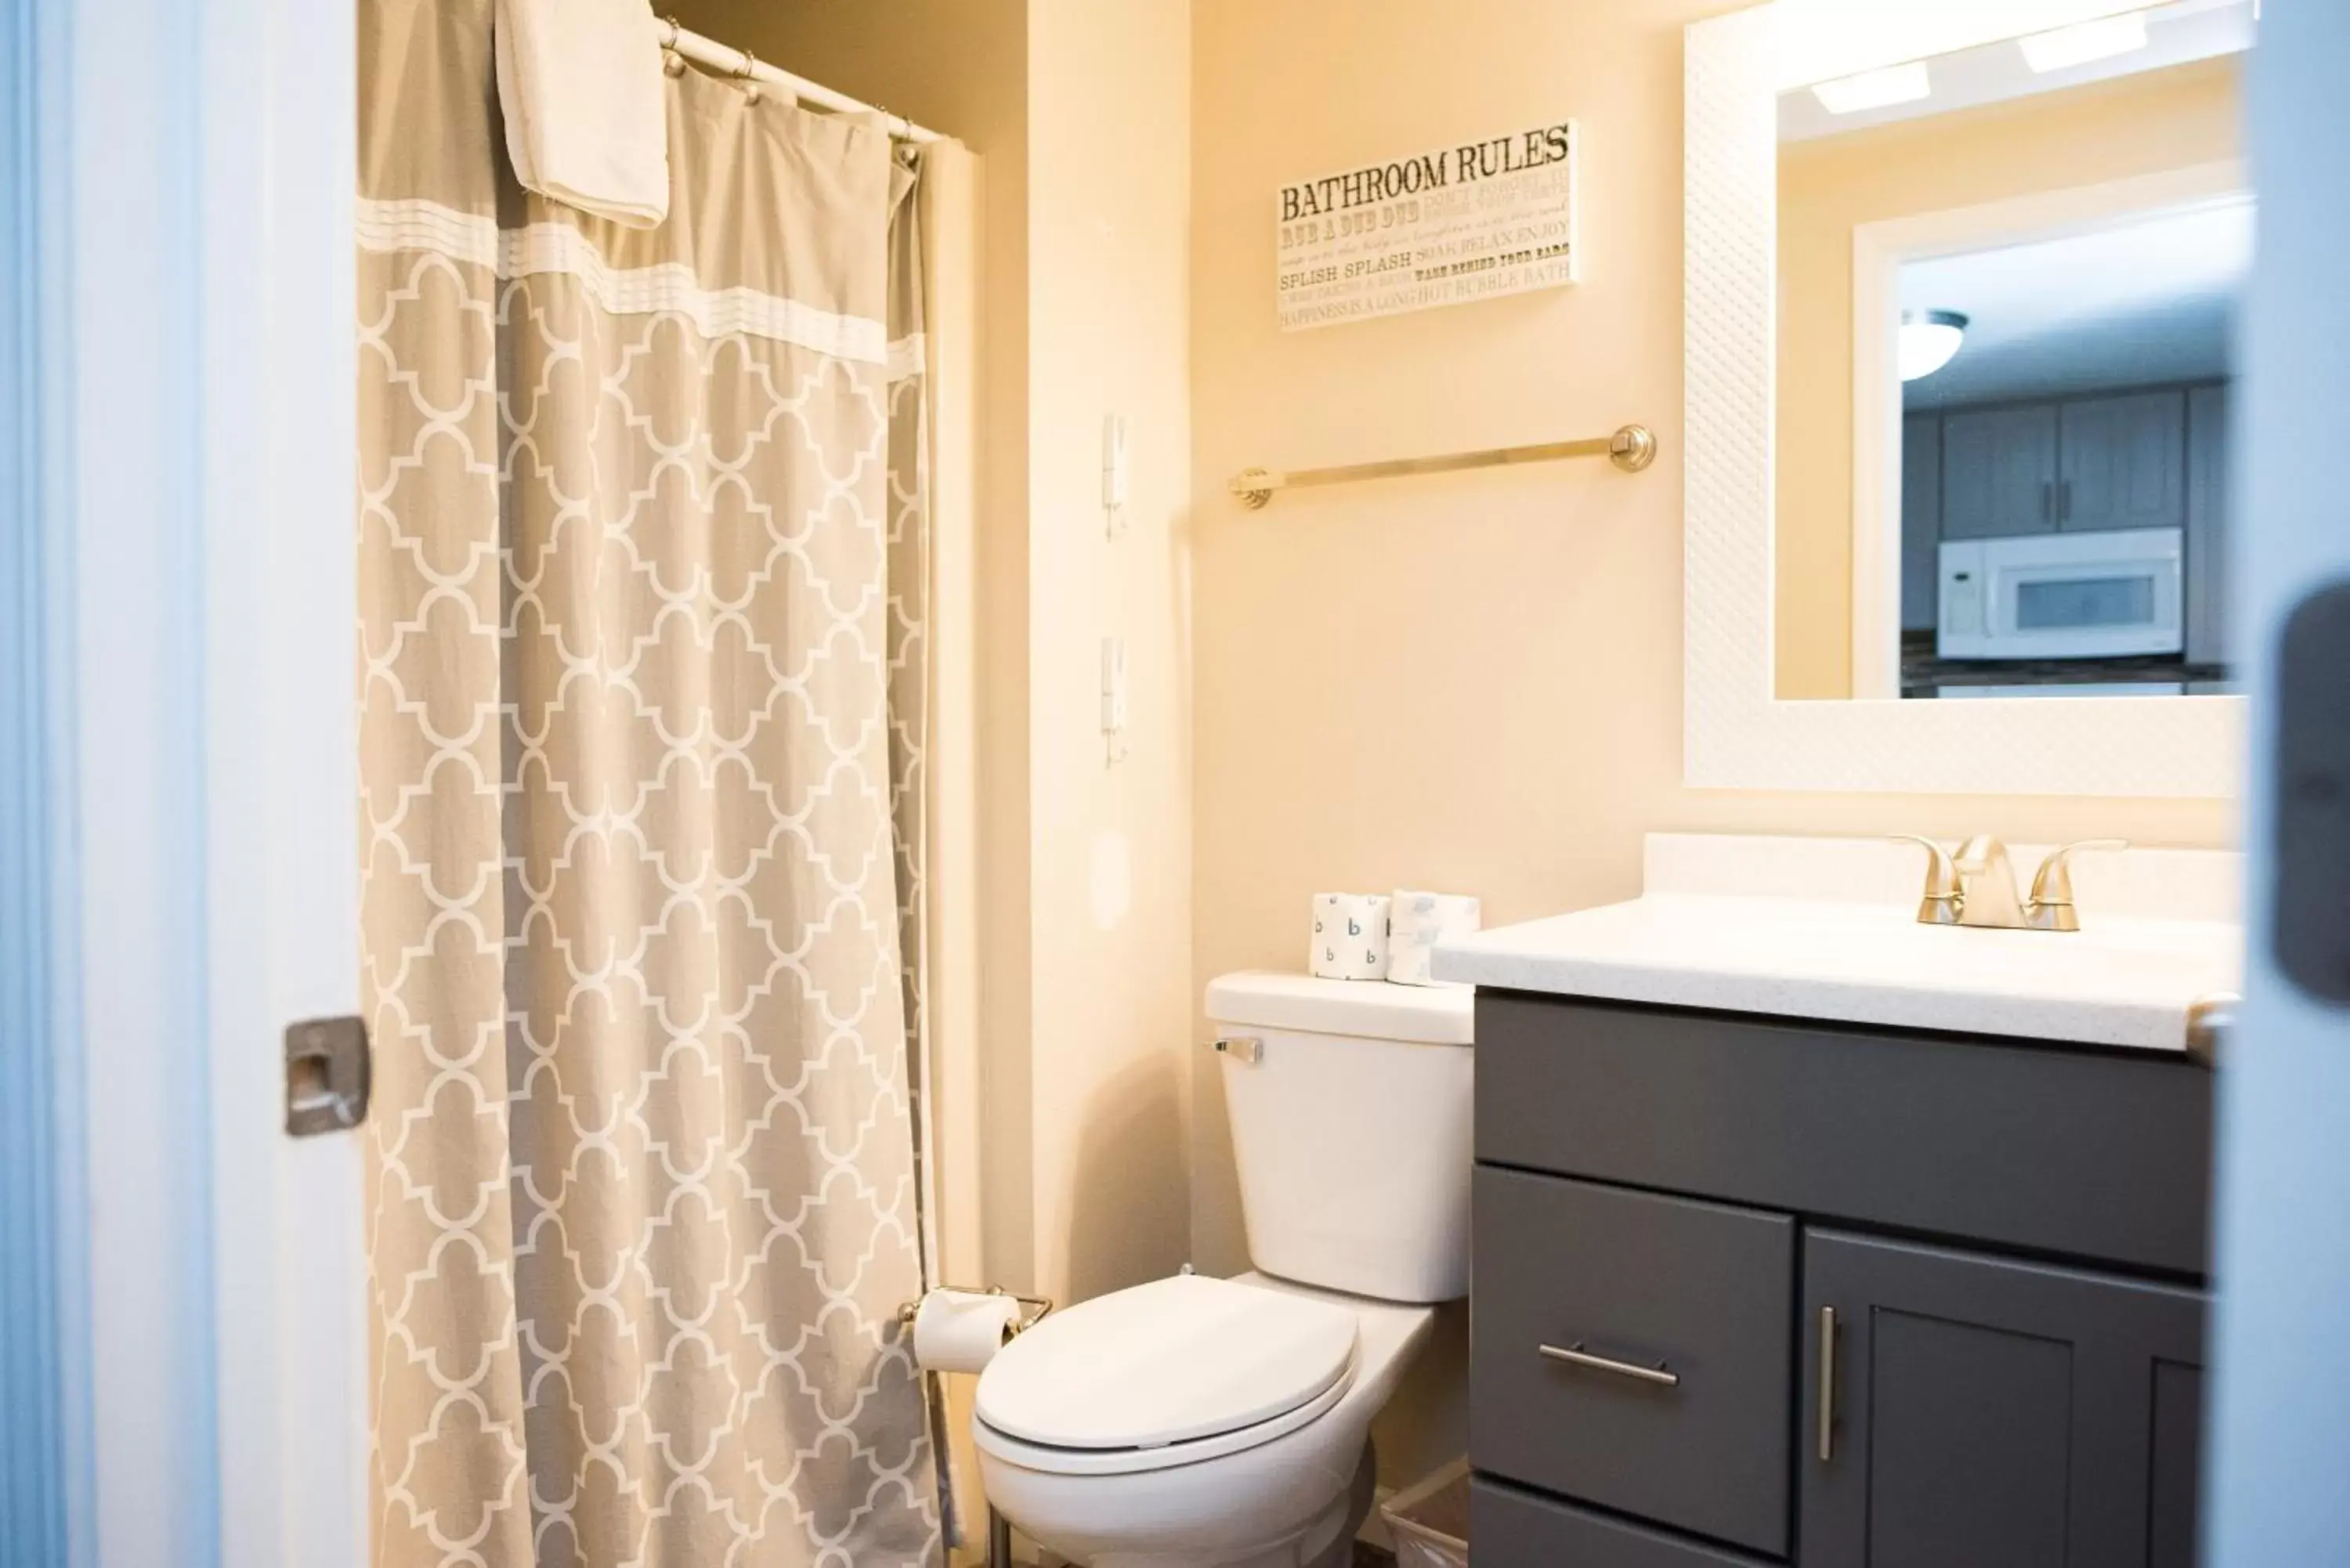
(1472, 220)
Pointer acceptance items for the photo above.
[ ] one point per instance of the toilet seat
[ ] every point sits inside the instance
(1165, 1373)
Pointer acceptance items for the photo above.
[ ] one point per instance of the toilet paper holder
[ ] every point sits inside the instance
(1032, 1309)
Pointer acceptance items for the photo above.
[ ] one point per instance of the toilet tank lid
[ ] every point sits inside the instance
(1371, 1009)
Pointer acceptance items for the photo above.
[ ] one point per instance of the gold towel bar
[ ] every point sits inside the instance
(1631, 449)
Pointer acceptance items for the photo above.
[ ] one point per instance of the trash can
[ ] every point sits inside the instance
(1429, 1520)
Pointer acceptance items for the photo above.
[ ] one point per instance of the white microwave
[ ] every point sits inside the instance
(2064, 596)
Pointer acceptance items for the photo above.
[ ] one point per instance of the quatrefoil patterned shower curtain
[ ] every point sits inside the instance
(642, 556)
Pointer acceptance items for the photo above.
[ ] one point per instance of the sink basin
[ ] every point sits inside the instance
(1717, 926)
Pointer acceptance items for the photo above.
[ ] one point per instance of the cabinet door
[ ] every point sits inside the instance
(1999, 472)
(2207, 525)
(1921, 519)
(1980, 1411)
(2123, 462)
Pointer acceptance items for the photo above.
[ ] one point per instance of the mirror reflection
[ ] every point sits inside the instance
(2008, 287)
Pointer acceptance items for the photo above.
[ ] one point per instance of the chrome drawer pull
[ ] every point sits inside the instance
(1576, 1356)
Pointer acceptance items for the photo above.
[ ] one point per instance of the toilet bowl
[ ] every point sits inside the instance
(1224, 1423)
(1192, 1422)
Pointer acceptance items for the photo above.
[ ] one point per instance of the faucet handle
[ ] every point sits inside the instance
(1945, 896)
(2052, 885)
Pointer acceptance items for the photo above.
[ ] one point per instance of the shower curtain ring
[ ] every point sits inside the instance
(748, 72)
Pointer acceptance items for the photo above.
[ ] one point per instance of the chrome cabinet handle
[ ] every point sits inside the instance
(1828, 1384)
(1576, 1356)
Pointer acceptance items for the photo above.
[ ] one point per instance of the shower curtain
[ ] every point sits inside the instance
(642, 559)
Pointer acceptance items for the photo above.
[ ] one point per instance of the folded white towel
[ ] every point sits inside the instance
(580, 82)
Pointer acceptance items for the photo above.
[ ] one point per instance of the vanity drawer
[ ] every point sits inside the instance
(1514, 1528)
(1638, 1280)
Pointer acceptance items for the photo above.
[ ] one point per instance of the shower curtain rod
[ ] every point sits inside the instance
(707, 52)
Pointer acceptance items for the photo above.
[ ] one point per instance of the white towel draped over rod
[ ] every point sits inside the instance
(718, 57)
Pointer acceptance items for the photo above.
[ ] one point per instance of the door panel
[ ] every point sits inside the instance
(1983, 1410)
(2175, 1520)
(2281, 1401)
(1959, 1411)
(1999, 472)
(2123, 462)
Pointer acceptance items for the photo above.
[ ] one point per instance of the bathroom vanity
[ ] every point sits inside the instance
(1805, 1232)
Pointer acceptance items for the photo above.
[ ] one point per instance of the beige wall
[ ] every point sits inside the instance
(2140, 124)
(1109, 254)
(1473, 681)
(1081, 112)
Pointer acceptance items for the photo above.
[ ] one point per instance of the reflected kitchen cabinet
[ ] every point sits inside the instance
(1999, 472)
(1921, 517)
(2122, 462)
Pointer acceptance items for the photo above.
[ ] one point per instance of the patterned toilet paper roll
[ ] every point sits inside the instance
(1351, 937)
(1416, 923)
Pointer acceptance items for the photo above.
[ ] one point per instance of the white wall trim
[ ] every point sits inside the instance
(209, 452)
(1736, 732)
(279, 599)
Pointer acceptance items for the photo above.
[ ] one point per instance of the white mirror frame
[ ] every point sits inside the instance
(1736, 732)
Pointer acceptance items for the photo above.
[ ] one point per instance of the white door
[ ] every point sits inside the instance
(196, 162)
(2281, 1425)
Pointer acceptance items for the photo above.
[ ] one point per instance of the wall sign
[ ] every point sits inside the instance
(1473, 219)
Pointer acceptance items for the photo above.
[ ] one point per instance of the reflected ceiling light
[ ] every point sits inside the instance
(2084, 41)
(1928, 341)
(1875, 89)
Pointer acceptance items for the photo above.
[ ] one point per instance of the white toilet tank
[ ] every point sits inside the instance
(1351, 1130)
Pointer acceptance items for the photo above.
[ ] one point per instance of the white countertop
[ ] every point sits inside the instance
(2157, 933)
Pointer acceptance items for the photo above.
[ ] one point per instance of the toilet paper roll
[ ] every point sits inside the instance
(1417, 922)
(1351, 937)
(961, 1331)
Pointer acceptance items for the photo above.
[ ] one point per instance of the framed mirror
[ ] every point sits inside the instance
(1960, 301)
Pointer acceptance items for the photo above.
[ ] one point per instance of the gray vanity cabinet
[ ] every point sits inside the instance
(1987, 1410)
(1669, 1205)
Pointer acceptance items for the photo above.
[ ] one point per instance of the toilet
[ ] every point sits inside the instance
(1191, 1422)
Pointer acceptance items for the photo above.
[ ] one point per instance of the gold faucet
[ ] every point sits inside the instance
(1976, 886)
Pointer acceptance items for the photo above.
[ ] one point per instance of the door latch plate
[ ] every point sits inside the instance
(327, 1073)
